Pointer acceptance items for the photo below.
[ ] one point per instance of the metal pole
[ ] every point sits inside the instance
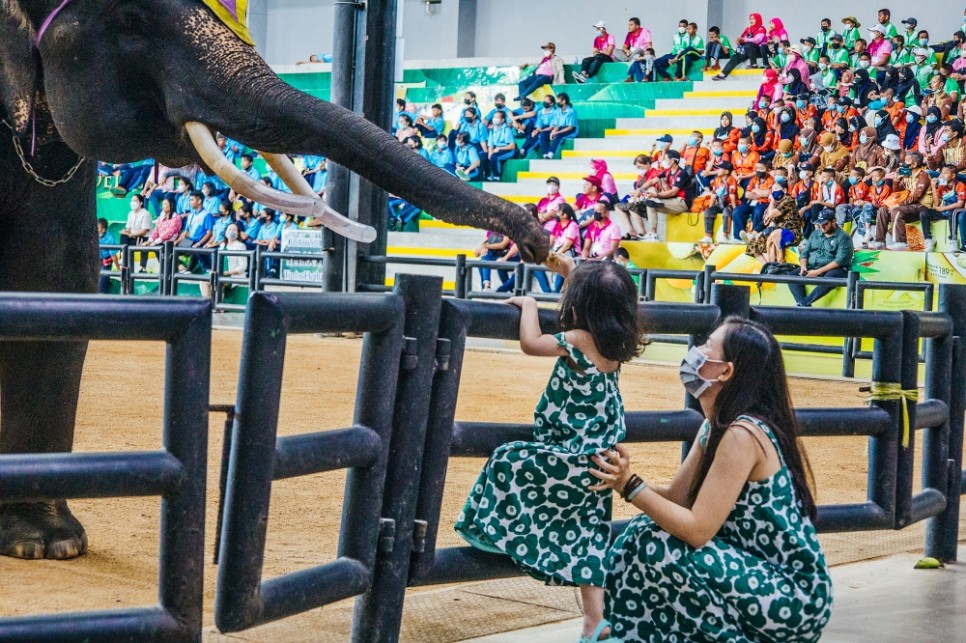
(378, 90)
(337, 188)
(942, 531)
(731, 300)
(460, 282)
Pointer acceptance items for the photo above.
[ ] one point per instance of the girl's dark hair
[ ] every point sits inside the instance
(600, 298)
(139, 198)
(759, 388)
(531, 208)
(566, 208)
(171, 204)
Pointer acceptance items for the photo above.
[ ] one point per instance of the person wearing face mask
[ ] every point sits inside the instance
(868, 152)
(630, 211)
(747, 456)
(949, 199)
(910, 135)
(694, 156)
(930, 140)
(234, 266)
(938, 97)
(727, 133)
(475, 131)
(499, 107)
(603, 52)
(838, 55)
(770, 90)
(549, 70)
(951, 151)
(808, 147)
(827, 252)
(810, 53)
(500, 147)
(552, 202)
(586, 201)
(787, 128)
(744, 160)
(804, 109)
(137, 228)
(724, 201)
(785, 156)
(914, 188)
(827, 194)
(858, 208)
(754, 203)
(542, 126)
(921, 69)
(679, 45)
(602, 236)
(564, 127)
(824, 36)
(642, 70)
(880, 49)
(671, 195)
(834, 154)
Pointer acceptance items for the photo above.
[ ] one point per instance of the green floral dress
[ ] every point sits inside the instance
(531, 500)
(762, 578)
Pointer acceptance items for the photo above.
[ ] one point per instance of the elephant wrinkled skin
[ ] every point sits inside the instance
(117, 80)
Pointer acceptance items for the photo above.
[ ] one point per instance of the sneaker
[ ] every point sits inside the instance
(651, 236)
(719, 77)
(876, 245)
(930, 245)
(898, 247)
(744, 236)
(706, 239)
(548, 155)
(579, 77)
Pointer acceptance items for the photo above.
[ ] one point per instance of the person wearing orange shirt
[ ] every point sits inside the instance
(828, 194)
(804, 189)
(762, 139)
(725, 200)
(754, 203)
(803, 110)
(744, 160)
(695, 157)
(949, 195)
(857, 208)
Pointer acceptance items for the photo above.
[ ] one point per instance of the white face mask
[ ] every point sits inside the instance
(690, 372)
(552, 188)
(829, 148)
(665, 163)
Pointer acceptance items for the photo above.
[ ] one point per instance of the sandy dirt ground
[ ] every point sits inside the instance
(120, 410)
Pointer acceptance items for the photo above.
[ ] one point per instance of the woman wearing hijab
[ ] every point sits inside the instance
(907, 89)
(749, 46)
(929, 135)
(776, 34)
(861, 86)
(794, 84)
(910, 138)
(868, 153)
(882, 122)
(762, 140)
(608, 186)
(770, 88)
(727, 133)
(787, 129)
(842, 134)
(808, 147)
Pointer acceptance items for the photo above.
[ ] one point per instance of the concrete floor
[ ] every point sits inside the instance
(879, 600)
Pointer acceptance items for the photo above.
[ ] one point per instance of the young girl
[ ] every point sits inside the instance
(531, 501)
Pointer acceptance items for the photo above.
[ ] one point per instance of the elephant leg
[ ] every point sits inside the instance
(39, 385)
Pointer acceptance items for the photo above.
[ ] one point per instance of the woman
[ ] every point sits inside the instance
(608, 187)
(868, 153)
(776, 35)
(728, 550)
(749, 46)
(930, 135)
(882, 122)
(565, 239)
(910, 137)
(770, 87)
(862, 86)
(907, 89)
(137, 228)
(795, 75)
(235, 266)
(727, 133)
(167, 227)
(405, 129)
(762, 140)
(842, 133)
(787, 129)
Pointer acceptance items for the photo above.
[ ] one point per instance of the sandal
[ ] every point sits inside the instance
(595, 637)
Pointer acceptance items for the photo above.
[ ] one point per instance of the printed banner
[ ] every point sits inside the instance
(234, 13)
(303, 242)
(946, 268)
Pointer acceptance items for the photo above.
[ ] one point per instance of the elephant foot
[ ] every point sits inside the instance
(40, 530)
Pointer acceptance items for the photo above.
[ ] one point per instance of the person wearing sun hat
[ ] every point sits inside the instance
(851, 32)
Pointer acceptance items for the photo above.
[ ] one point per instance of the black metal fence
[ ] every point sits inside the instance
(405, 431)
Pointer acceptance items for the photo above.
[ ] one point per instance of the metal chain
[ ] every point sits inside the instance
(28, 168)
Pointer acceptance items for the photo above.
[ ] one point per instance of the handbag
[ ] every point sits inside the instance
(895, 199)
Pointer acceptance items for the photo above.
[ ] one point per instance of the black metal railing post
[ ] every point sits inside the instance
(459, 283)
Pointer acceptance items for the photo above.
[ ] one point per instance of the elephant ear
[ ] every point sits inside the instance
(18, 64)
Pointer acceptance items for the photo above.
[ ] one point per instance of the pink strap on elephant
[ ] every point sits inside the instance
(50, 19)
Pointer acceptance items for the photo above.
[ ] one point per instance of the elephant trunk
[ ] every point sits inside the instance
(289, 121)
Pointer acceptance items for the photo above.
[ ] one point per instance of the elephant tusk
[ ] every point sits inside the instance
(336, 222)
(245, 185)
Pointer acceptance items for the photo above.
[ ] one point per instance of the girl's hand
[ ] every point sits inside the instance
(520, 302)
(614, 471)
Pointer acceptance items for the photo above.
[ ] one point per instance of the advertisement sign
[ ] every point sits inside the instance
(302, 242)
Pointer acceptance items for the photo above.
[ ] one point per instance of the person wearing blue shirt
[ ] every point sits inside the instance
(467, 158)
(431, 125)
(248, 225)
(442, 156)
(219, 189)
(501, 146)
(268, 238)
(499, 107)
(231, 148)
(183, 201)
(224, 219)
(564, 127)
(211, 202)
(469, 102)
(523, 118)
(246, 166)
(542, 121)
(316, 172)
(277, 182)
(415, 143)
(104, 237)
(401, 111)
(196, 231)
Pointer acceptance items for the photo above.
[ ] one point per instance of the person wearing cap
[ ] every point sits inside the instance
(810, 53)
(724, 200)
(636, 42)
(880, 49)
(587, 199)
(670, 195)
(838, 55)
(661, 147)
(601, 236)
(921, 69)
(827, 252)
(564, 127)
(824, 36)
(949, 200)
(603, 52)
(549, 70)
(915, 182)
(910, 33)
(688, 47)
(552, 202)
(851, 32)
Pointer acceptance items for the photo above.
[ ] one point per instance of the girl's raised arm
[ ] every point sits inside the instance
(532, 339)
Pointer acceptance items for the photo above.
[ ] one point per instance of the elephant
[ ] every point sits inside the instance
(120, 80)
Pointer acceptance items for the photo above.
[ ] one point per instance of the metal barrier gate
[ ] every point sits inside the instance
(176, 472)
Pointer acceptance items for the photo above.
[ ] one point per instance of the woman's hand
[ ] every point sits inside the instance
(521, 302)
(614, 471)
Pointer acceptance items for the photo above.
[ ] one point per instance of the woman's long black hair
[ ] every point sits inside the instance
(759, 388)
(600, 297)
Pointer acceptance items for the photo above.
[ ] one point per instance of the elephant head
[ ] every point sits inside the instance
(120, 79)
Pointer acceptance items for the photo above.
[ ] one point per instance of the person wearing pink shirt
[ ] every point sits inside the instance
(749, 46)
(636, 42)
(603, 53)
(776, 35)
(549, 70)
(880, 49)
(608, 186)
(795, 61)
(565, 238)
(602, 236)
(552, 202)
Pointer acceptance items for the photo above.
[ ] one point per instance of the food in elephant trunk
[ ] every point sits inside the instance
(304, 202)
